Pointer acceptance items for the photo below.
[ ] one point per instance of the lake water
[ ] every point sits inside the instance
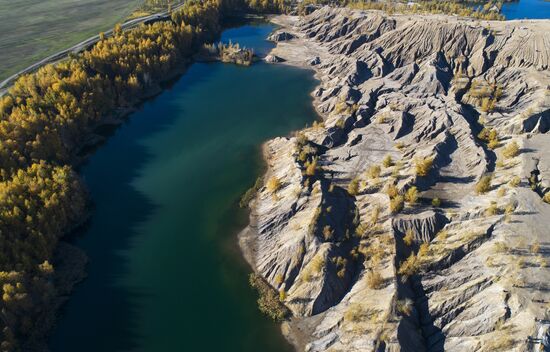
(535, 9)
(165, 272)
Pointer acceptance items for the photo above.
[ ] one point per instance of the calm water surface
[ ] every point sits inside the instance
(165, 273)
(536, 9)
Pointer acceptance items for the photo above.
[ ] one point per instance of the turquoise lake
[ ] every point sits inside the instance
(534, 9)
(165, 270)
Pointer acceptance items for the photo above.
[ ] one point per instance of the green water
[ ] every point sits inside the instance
(165, 272)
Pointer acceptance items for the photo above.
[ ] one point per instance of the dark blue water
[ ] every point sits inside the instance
(165, 273)
(526, 9)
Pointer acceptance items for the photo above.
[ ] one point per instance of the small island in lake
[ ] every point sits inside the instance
(412, 215)
(228, 53)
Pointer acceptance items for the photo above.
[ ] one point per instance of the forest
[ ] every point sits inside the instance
(45, 116)
(451, 7)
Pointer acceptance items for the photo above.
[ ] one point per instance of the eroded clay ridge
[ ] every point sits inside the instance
(448, 116)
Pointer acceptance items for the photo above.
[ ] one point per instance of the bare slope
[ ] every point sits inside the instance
(469, 274)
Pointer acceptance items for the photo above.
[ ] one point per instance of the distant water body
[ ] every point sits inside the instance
(165, 272)
(526, 9)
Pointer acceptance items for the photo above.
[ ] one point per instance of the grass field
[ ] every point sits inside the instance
(34, 29)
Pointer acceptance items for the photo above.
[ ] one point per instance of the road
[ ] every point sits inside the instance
(83, 45)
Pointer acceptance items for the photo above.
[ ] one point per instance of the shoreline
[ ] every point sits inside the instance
(95, 140)
(72, 260)
(293, 329)
(300, 329)
(249, 305)
(69, 259)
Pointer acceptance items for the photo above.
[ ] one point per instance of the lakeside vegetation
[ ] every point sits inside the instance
(228, 53)
(32, 30)
(489, 11)
(150, 7)
(45, 118)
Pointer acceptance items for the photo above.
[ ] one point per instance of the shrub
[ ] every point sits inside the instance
(353, 187)
(279, 279)
(501, 247)
(373, 172)
(354, 313)
(511, 150)
(374, 280)
(301, 140)
(510, 207)
(311, 167)
(317, 264)
(374, 252)
(269, 301)
(424, 249)
(328, 232)
(382, 118)
(399, 145)
(391, 190)
(442, 235)
(306, 152)
(492, 209)
(409, 266)
(341, 264)
(535, 247)
(541, 261)
(396, 204)
(273, 184)
(490, 136)
(484, 184)
(361, 230)
(436, 202)
(404, 306)
(250, 193)
(341, 273)
(423, 166)
(341, 107)
(504, 342)
(493, 144)
(388, 161)
(487, 104)
(515, 181)
(341, 123)
(408, 239)
(411, 196)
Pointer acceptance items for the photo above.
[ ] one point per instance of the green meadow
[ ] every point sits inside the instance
(34, 29)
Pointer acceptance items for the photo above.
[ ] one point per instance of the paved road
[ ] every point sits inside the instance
(83, 45)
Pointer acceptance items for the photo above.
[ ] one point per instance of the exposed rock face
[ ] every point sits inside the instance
(273, 59)
(280, 36)
(416, 89)
(315, 61)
